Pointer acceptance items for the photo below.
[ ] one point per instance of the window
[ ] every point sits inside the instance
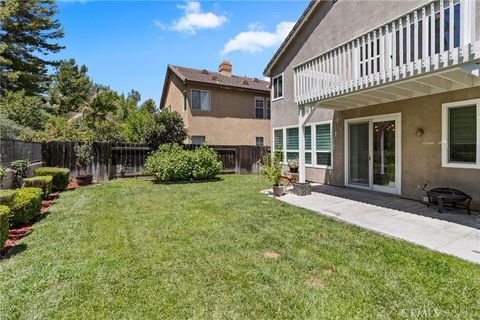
(308, 145)
(460, 128)
(198, 139)
(259, 108)
(323, 145)
(292, 144)
(318, 143)
(259, 141)
(201, 100)
(268, 109)
(184, 101)
(277, 87)
(278, 139)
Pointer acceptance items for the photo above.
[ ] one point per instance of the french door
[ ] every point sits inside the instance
(372, 155)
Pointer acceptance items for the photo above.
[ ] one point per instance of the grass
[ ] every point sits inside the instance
(129, 249)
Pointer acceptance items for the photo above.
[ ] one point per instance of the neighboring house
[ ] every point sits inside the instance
(217, 107)
(381, 95)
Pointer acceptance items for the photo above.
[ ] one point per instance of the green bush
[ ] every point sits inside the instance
(26, 204)
(61, 177)
(43, 182)
(4, 213)
(173, 163)
(6, 197)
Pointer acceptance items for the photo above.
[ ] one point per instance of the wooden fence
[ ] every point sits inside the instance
(108, 157)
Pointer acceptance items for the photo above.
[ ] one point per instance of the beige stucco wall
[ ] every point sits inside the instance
(231, 120)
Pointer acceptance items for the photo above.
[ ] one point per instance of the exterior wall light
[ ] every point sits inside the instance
(419, 132)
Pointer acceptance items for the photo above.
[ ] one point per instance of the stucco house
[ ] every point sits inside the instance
(219, 108)
(381, 95)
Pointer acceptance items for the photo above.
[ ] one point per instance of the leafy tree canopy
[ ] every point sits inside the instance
(168, 128)
(28, 31)
(27, 111)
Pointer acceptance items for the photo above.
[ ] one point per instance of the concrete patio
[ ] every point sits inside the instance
(452, 232)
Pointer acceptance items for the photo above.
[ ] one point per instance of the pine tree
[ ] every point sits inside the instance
(27, 34)
(71, 86)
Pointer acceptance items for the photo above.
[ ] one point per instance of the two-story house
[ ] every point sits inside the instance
(381, 95)
(219, 108)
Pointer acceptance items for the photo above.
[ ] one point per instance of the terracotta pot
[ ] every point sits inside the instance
(84, 180)
(277, 191)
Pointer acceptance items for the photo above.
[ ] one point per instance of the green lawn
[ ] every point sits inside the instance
(131, 249)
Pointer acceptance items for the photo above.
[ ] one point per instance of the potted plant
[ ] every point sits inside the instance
(271, 168)
(83, 159)
(293, 165)
(20, 169)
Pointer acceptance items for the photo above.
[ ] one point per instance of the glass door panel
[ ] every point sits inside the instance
(359, 154)
(384, 154)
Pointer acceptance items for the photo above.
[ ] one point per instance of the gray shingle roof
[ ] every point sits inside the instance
(216, 78)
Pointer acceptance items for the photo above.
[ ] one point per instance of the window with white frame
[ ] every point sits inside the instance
(201, 100)
(460, 133)
(292, 144)
(259, 141)
(277, 86)
(323, 144)
(318, 143)
(259, 108)
(268, 110)
(278, 140)
(198, 139)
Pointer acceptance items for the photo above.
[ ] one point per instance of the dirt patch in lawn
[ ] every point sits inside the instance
(328, 271)
(314, 282)
(271, 255)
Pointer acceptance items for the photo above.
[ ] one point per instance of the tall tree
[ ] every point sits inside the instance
(28, 30)
(149, 106)
(134, 96)
(168, 128)
(70, 87)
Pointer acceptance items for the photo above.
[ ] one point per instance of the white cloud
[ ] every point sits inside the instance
(256, 39)
(193, 19)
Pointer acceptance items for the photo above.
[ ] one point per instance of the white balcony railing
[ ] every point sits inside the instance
(436, 36)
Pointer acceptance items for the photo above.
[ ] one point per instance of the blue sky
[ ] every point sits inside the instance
(127, 44)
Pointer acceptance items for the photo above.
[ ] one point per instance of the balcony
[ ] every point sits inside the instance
(429, 50)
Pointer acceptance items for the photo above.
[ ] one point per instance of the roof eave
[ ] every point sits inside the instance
(303, 18)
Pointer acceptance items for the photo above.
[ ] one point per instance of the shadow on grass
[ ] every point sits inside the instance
(19, 248)
(218, 179)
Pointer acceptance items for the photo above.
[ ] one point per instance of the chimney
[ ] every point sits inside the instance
(225, 68)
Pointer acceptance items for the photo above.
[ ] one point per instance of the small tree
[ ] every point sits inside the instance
(20, 169)
(271, 167)
(83, 157)
(168, 128)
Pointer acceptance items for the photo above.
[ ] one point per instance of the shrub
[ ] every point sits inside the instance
(20, 169)
(6, 197)
(61, 176)
(83, 157)
(3, 173)
(4, 214)
(173, 163)
(26, 204)
(42, 182)
(271, 167)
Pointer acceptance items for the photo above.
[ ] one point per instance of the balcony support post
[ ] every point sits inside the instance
(304, 113)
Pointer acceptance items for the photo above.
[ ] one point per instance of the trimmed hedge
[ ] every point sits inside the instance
(4, 214)
(173, 163)
(43, 182)
(26, 205)
(6, 197)
(61, 176)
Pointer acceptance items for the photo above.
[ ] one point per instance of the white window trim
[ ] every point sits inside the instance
(313, 149)
(283, 87)
(255, 99)
(263, 141)
(446, 130)
(191, 100)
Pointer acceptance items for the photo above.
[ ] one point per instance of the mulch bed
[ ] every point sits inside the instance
(15, 234)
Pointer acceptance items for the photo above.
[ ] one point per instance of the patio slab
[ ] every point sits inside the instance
(452, 232)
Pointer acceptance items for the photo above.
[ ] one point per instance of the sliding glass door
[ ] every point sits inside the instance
(373, 147)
